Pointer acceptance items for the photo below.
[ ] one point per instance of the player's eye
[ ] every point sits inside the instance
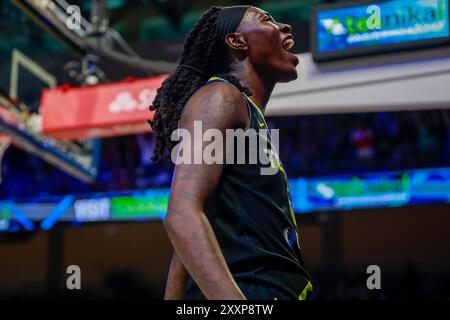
(268, 17)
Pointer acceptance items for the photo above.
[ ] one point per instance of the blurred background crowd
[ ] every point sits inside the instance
(316, 145)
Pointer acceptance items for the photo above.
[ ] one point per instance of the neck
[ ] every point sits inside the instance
(261, 88)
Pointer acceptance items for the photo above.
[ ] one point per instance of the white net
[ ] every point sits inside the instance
(5, 141)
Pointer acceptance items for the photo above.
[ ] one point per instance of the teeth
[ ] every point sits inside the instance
(288, 44)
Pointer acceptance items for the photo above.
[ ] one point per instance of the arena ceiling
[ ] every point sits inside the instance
(155, 29)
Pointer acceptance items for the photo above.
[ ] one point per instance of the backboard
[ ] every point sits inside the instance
(22, 127)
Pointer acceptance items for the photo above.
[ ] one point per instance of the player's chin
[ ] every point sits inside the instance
(289, 74)
(289, 71)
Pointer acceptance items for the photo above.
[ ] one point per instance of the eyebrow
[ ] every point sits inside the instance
(264, 13)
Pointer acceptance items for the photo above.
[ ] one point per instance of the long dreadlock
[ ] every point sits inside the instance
(200, 52)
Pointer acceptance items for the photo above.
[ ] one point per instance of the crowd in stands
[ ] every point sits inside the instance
(309, 146)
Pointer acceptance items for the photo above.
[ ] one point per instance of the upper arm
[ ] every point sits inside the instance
(218, 106)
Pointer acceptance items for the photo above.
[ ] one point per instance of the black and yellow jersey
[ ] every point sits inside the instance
(254, 222)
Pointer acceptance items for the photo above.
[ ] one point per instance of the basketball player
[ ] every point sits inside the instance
(233, 230)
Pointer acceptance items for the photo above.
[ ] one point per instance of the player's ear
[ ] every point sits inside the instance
(236, 41)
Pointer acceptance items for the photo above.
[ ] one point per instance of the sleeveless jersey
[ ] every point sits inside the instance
(253, 220)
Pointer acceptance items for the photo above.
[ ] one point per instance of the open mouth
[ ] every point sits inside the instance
(288, 44)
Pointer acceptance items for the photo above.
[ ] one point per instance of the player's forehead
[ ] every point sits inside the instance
(253, 15)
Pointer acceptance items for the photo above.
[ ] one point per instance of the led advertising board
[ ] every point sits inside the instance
(346, 30)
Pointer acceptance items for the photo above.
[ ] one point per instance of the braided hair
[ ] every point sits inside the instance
(200, 52)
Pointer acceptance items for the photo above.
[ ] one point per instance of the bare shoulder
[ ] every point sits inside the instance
(219, 104)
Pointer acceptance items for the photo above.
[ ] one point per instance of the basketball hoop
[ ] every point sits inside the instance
(5, 141)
